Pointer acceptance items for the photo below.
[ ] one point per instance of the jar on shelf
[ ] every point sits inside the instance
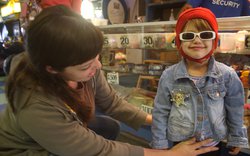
(245, 78)
(240, 40)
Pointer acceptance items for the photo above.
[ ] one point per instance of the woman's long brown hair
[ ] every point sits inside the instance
(57, 37)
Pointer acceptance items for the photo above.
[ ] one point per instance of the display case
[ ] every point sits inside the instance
(148, 48)
(138, 51)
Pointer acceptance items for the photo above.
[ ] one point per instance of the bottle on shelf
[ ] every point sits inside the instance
(171, 17)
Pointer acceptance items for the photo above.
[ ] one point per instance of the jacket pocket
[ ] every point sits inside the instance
(216, 98)
(180, 127)
(216, 94)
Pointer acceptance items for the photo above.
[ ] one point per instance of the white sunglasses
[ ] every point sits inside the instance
(204, 35)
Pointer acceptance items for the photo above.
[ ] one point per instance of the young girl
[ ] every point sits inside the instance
(53, 90)
(199, 97)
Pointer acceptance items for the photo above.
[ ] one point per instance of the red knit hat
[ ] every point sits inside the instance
(196, 13)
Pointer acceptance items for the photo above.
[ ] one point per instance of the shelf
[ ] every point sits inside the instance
(155, 49)
(147, 27)
(225, 24)
(245, 52)
(157, 11)
(169, 3)
(117, 34)
(234, 23)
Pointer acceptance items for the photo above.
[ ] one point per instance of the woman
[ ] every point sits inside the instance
(54, 89)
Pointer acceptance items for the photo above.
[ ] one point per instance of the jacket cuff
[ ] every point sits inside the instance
(237, 141)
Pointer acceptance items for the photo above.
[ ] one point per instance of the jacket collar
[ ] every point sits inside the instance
(181, 70)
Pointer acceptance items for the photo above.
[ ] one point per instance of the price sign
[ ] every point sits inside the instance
(113, 78)
(124, 41)
(106, 42)
(148, 42)
(147, 109)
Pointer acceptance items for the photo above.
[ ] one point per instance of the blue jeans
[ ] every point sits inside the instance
(105, 126)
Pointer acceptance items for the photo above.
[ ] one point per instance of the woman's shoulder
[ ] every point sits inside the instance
(15, 60)
(32, 97)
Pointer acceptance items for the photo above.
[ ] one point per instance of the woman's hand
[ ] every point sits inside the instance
(192, 148)
(185, 148)
(148, 120)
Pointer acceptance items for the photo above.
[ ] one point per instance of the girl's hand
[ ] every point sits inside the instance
(234, 150)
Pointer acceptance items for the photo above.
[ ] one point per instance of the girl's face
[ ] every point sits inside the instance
(196, 48)
(81, 72)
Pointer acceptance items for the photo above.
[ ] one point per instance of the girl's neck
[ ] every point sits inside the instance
(197, 69)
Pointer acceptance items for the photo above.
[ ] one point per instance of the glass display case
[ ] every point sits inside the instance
(144, 50)
(136, 52)
(148, 48)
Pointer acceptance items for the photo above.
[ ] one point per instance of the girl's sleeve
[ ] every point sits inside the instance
(160, 115)
(234, 104)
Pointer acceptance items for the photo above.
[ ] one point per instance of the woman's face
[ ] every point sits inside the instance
(196, 48)
(81, 72)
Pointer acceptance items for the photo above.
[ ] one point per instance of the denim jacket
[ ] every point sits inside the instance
(175, 105)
